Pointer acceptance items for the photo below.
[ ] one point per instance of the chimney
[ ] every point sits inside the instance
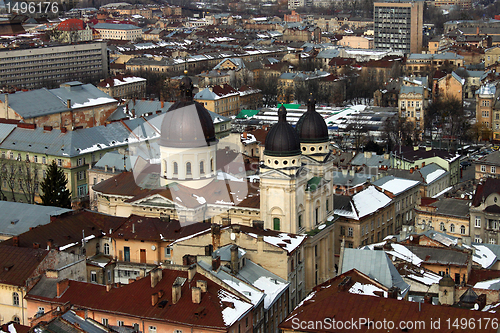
(6, 106)
(196, 295)
(245, 134)
(62, 286)
(162, 104)
(68, 103)
(15, 241)
(64, 129)
(215, 263)
(114, 169)
(47, 128)
(154, 299)
(50, 244)
(477, 30)
(236, 229)
(105, 168)
(159, 274)
(459, 242)
(202, 284)
(393, 292)
(154, 278)
(423, 164)
(411, 170)
(160, 293)
(428, 299)
(191, 272)
(108, 287)
(257, 224)
(226, 221)
(176, 292)
(234, 259)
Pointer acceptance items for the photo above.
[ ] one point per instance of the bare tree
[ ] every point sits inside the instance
(18, 178)
(28, 180)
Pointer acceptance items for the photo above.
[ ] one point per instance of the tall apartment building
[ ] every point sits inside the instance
(52, 65)
(399, 25)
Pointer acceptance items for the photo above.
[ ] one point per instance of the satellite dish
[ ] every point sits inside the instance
(462, 196)
(153, 247)
(476, 307)
(422, 226)
(411, 238)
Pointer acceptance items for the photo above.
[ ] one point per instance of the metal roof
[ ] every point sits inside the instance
(35, 103)
(115, 26)
(17, 217)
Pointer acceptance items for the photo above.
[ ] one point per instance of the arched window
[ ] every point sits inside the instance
(441, 226)
(176, 168)
(15, 299)
(462, 230)
(165, 166)
(211, 165)
(452, 228)
(106, 248)
(16, 320)
(188, 168)
(276, 223)
(202, 168)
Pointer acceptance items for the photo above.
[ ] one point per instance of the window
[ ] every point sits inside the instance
(41, 310)
(105, 321)
(152, 329)
(35, 159)
(168, 252)
(478, 222)
(16, 320)
(477, 239)
(79, 162)
(276, 223)
(109, 276)
(441, 226)
(483, 168)
(349, 232)
(176, 168)
(106, 248)
(493, 169)
(44, 160)
(492, 241)
(300, 221)
(211, 165)
(11, 155)
(188, 168)
(202, 168)
(82, 190)
(327, 205)
(59, 162)
(462, 230)
(119, 323)
(452, 228)
(93, 276)
(15, 299)
(80, 175)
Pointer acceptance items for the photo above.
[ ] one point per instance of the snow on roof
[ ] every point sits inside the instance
(434, 175)
(253, 294)
(250, 139)
(486, 284)
(483, 256)
(94, 102)
(231, 314)
(271, 287)
(366, 289)
(402, 252)
(398, 185)
(369, 200)
(442, 192)
(427, 278)
(126, 80)
(284, 241)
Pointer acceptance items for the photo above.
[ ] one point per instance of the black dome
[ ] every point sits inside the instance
(187, 124)
(282, 139)
(311, 126)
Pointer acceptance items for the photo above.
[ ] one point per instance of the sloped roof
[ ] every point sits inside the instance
(484, 189)
(116, 26)
(395, 185)
(432, 172)
(71, 25)
(19, 263)
(363, 203)
(215, 310)
(17, 217)
(375, 264)
(68, 228)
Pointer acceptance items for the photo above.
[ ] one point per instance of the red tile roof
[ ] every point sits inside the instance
(224, 89)
(71, 25)
(151, 229)
(18, 328)
(329, 301)
(483, 190)
(135, 300)
(18, 264)
(67, 228)
(478, 275)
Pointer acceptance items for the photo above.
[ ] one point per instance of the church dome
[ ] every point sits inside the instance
(311, 127)
(187, 124)
(282, 139)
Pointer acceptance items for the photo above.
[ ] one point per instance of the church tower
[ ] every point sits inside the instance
(188, 145)
(280, 180)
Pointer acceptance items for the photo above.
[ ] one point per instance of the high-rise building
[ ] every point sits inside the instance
(399, 25)
(36, 67)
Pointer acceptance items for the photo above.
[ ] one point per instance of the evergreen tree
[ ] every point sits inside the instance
(54, 188)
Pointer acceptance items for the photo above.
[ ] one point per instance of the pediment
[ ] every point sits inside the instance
(155, 200)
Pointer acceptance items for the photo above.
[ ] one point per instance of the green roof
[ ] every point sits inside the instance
(289, 106)
(244, 114)
(313, 183)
